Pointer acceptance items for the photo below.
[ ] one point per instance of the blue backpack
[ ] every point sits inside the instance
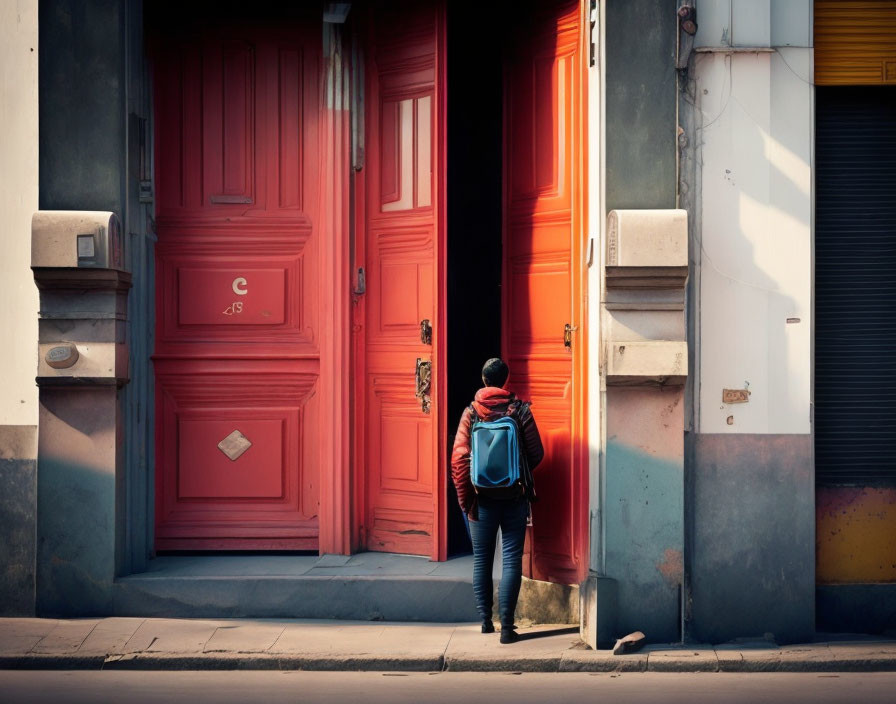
(498, 467)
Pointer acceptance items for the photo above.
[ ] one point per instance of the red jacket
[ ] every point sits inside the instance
(490, 403)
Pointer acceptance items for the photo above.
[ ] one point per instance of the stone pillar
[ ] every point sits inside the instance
(643, 369)
(82, 365)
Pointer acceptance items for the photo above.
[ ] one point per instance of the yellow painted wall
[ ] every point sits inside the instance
(855, 535)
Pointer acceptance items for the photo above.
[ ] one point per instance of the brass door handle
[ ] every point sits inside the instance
(568, 330)
(423, 383)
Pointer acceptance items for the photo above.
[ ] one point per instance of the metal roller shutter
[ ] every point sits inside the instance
(855, 42)
(855, 285)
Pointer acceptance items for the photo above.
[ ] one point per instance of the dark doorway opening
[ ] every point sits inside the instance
(475, 149)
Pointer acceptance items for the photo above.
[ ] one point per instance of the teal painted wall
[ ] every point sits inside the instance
(644, 509)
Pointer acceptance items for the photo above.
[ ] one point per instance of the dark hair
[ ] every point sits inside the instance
(495, 372)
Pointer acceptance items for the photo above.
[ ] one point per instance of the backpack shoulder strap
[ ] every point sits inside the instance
(519, 411)
(519, 414)
(474, 416)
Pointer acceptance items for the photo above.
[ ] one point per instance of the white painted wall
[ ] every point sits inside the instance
(18, 200)
(745, 23)
(596, 220)
(755, 201)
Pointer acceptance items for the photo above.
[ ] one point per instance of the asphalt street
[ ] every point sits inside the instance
(399, 688)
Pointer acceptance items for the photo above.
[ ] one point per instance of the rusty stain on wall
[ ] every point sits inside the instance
(735, 395)
(672, 566)
(855, 535)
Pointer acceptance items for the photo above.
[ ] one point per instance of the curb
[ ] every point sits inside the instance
(324, 663)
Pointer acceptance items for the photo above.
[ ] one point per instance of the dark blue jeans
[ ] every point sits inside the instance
(510, 517)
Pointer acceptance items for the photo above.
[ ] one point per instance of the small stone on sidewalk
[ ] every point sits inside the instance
(629, 644)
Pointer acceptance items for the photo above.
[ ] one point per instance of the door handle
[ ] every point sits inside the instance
(423, 383)
(425, 332)
(568, 330)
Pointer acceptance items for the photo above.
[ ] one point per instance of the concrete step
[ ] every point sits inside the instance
(363, 587)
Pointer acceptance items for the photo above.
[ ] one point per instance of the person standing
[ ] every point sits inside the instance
(488, 513)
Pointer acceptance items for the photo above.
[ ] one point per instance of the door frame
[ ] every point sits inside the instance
(342, 477)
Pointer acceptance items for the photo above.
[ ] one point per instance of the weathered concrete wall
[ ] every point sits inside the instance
(18, 508)
(753, 538)
(644, 494)
(749, 482)
(640, 38)
(18, 314)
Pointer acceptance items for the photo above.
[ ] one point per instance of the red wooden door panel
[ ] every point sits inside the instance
(542, 283)
(237, 358)
(402, 254)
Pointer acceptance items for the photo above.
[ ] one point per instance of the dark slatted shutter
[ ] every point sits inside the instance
(855, 285)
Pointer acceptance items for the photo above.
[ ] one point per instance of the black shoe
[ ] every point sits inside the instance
(488, 626)
(509, 635)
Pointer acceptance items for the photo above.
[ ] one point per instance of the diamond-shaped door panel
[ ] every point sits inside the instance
(234, 445)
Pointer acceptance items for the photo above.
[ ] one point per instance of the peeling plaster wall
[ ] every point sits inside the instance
(18, 314)
(749, 484)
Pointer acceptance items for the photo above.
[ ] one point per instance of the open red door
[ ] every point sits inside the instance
(544, 148)
(400, 426)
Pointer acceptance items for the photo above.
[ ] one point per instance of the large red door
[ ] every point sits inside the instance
(400, 319)
(237, 354)
(542, 291)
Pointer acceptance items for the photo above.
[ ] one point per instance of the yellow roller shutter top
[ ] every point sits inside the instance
(855, 42)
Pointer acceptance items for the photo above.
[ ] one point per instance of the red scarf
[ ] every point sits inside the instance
(491, 402)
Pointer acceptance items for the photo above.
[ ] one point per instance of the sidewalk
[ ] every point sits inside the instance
(183, 644)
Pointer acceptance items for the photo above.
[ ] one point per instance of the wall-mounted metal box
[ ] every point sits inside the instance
(647, 249)
(76, 239)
